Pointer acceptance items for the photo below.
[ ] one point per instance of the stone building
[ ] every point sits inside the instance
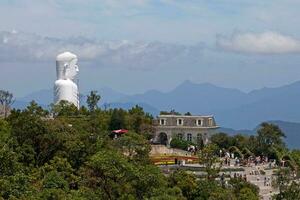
(191, 128)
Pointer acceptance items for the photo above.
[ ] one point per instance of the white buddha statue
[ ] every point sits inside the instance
(65, 87)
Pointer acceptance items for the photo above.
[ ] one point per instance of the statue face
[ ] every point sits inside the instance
(71, 69)
(66, 66)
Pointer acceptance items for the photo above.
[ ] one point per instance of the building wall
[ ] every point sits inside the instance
(189, 125)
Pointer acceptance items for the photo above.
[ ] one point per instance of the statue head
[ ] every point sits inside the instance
(66, 66)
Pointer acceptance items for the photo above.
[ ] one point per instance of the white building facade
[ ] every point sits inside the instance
(195, 128)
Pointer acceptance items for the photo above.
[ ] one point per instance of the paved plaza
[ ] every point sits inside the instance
(258, 175)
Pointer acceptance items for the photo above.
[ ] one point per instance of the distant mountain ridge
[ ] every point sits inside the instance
(42, 97)
(188, 96)
(46, 96)
(231, 107)
(291, 130)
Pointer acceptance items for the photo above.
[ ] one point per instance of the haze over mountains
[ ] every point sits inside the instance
(291, 130)
(231, 107)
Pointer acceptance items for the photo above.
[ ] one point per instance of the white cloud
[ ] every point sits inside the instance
(260, 43)
(25, 47)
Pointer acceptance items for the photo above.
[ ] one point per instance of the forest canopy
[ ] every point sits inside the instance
(73, 156)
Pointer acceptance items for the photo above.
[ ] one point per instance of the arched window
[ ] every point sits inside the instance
(179, 122)
(199, 122)
(162, 122)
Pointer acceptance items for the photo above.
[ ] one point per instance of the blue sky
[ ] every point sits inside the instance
(136, 45)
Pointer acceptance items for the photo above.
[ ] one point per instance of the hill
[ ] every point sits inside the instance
(197, 98)
(291, 130)
(231, 107)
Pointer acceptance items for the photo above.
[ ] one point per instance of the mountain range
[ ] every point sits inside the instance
(231, 107)
(291, 130)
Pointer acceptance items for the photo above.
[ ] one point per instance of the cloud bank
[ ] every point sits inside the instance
(24, 47)
(260, 43)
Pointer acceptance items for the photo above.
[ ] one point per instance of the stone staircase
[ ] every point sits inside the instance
(163, 150)
(263, 181)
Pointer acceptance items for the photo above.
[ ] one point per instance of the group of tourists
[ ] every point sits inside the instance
(231, 159)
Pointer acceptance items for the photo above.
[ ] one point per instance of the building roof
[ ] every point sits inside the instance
(187, 116)
(120, 131)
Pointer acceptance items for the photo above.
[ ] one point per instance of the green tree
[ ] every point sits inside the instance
(34, 142)
(117, 120)
(58, 173)
(8, 161)
(188, 114)
(64, 109)
(15, 186)
(148, 181)
(54, 180)
(135, 146)
(222, 194)
(222, 140)
(253, 145)
(109, 173)
(168, 194)
(205, 188)
(6, 100)
(244, 189)
(284, 178)
(186, 182)
(247, 194)
(240, 141)
(291, 192)
(295, 154)
(137, 118)
(34, 109)
(92, 100)
(4, 131)
(209, 159)
(268, 136)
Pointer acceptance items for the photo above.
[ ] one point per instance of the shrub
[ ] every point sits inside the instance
(180, 144)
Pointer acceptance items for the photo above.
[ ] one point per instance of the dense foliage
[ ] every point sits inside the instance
(74, 156)
(268, 142)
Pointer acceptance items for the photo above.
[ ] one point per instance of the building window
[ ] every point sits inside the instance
(180, 136)
(162, 122)
(179, 122)
(205, 138)
(189, 137)
(199, 122)
(210, 121)
(200, 141)
(199, 137)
